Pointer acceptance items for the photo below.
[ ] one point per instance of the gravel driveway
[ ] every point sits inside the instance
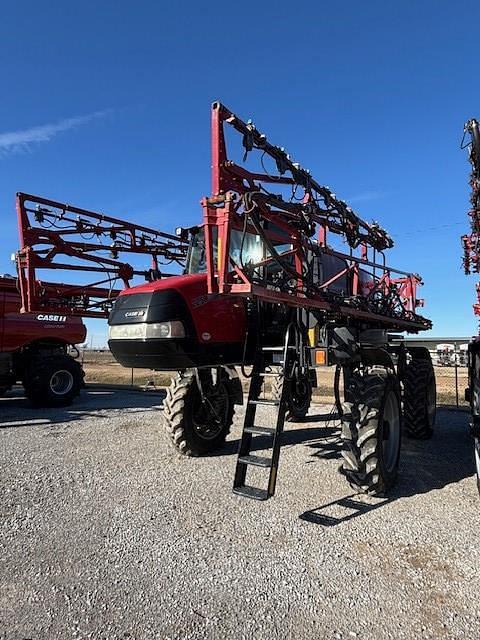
(107, 533)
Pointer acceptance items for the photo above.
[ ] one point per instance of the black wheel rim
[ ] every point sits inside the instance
(300, 393)
(477, 457)
(390, 432)
(210, 416)
(61, 382)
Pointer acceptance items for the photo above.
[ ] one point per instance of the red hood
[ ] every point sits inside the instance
(174, 282)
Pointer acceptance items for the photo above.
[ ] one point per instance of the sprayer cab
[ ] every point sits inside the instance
(174, 323)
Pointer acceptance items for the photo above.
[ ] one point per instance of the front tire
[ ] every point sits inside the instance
(197, 428)
(371, 432)
(53, 381)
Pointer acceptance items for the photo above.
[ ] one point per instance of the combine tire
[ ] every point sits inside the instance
(197, 428)
(53, 381)
(299, 396)
(419, 399)
(371, 431)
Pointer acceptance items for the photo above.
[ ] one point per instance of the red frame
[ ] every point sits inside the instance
(48, 248)
(224, 210)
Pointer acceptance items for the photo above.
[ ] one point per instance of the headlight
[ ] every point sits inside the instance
(144, 331)
(127, 331)
(173, 329)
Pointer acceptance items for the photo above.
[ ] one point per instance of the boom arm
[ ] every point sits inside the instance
(242, 200)
(54, 235)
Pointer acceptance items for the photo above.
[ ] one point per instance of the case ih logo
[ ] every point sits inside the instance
(51, 318)
(134, 314)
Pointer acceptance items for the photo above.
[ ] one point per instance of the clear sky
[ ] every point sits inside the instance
(106, 105)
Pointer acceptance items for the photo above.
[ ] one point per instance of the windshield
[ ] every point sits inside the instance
(245, 249)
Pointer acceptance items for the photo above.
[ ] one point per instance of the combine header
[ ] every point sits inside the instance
(264, 287)
(471, 263)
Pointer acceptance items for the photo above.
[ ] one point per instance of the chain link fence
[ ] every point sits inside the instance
(450, 373)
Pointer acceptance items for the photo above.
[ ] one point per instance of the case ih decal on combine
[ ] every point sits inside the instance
(265, 287)
(471, 263)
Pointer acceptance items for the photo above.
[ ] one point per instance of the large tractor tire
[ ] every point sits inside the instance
(477, 461)
(299, 396)
(53, 381)
(371, 431)
(419, 399)
(197, 428)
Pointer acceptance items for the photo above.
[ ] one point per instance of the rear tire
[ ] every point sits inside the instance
(477, 461)
(419, 399)
(371, 431)
(53, 381)
(195, 428)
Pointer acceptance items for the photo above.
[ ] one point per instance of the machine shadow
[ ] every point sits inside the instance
(425, 466)
(16, 411)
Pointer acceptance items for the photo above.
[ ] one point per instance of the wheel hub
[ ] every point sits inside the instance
(210, 414)
(61, 382)
(390, 431)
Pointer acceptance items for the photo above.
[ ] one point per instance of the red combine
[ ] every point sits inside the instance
(264, 287)
(471, 263)
(34, 350)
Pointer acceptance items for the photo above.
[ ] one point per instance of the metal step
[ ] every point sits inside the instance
(267, 403)
(251, 492)
(260, 431)
(256, 461)
(274, 374)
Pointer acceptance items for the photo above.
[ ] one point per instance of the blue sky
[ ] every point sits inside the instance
(106, 105)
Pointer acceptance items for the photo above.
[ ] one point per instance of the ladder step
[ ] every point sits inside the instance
(267, 403)
(274, 374)
(260, 431)
(251, 492)
(282, 348)
(257, 461)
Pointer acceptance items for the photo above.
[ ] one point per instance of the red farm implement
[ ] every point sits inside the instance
(471, 263)
(263, 287)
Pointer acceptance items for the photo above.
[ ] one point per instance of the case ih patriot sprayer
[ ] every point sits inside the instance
(471, 263)
(264, 287)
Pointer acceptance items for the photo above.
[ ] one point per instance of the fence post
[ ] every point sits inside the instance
(456, 382)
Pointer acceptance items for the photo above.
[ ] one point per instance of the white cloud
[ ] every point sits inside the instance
(367, 196)
(12, 141)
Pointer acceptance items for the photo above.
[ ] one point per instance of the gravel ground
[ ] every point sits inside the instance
(107, 533)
